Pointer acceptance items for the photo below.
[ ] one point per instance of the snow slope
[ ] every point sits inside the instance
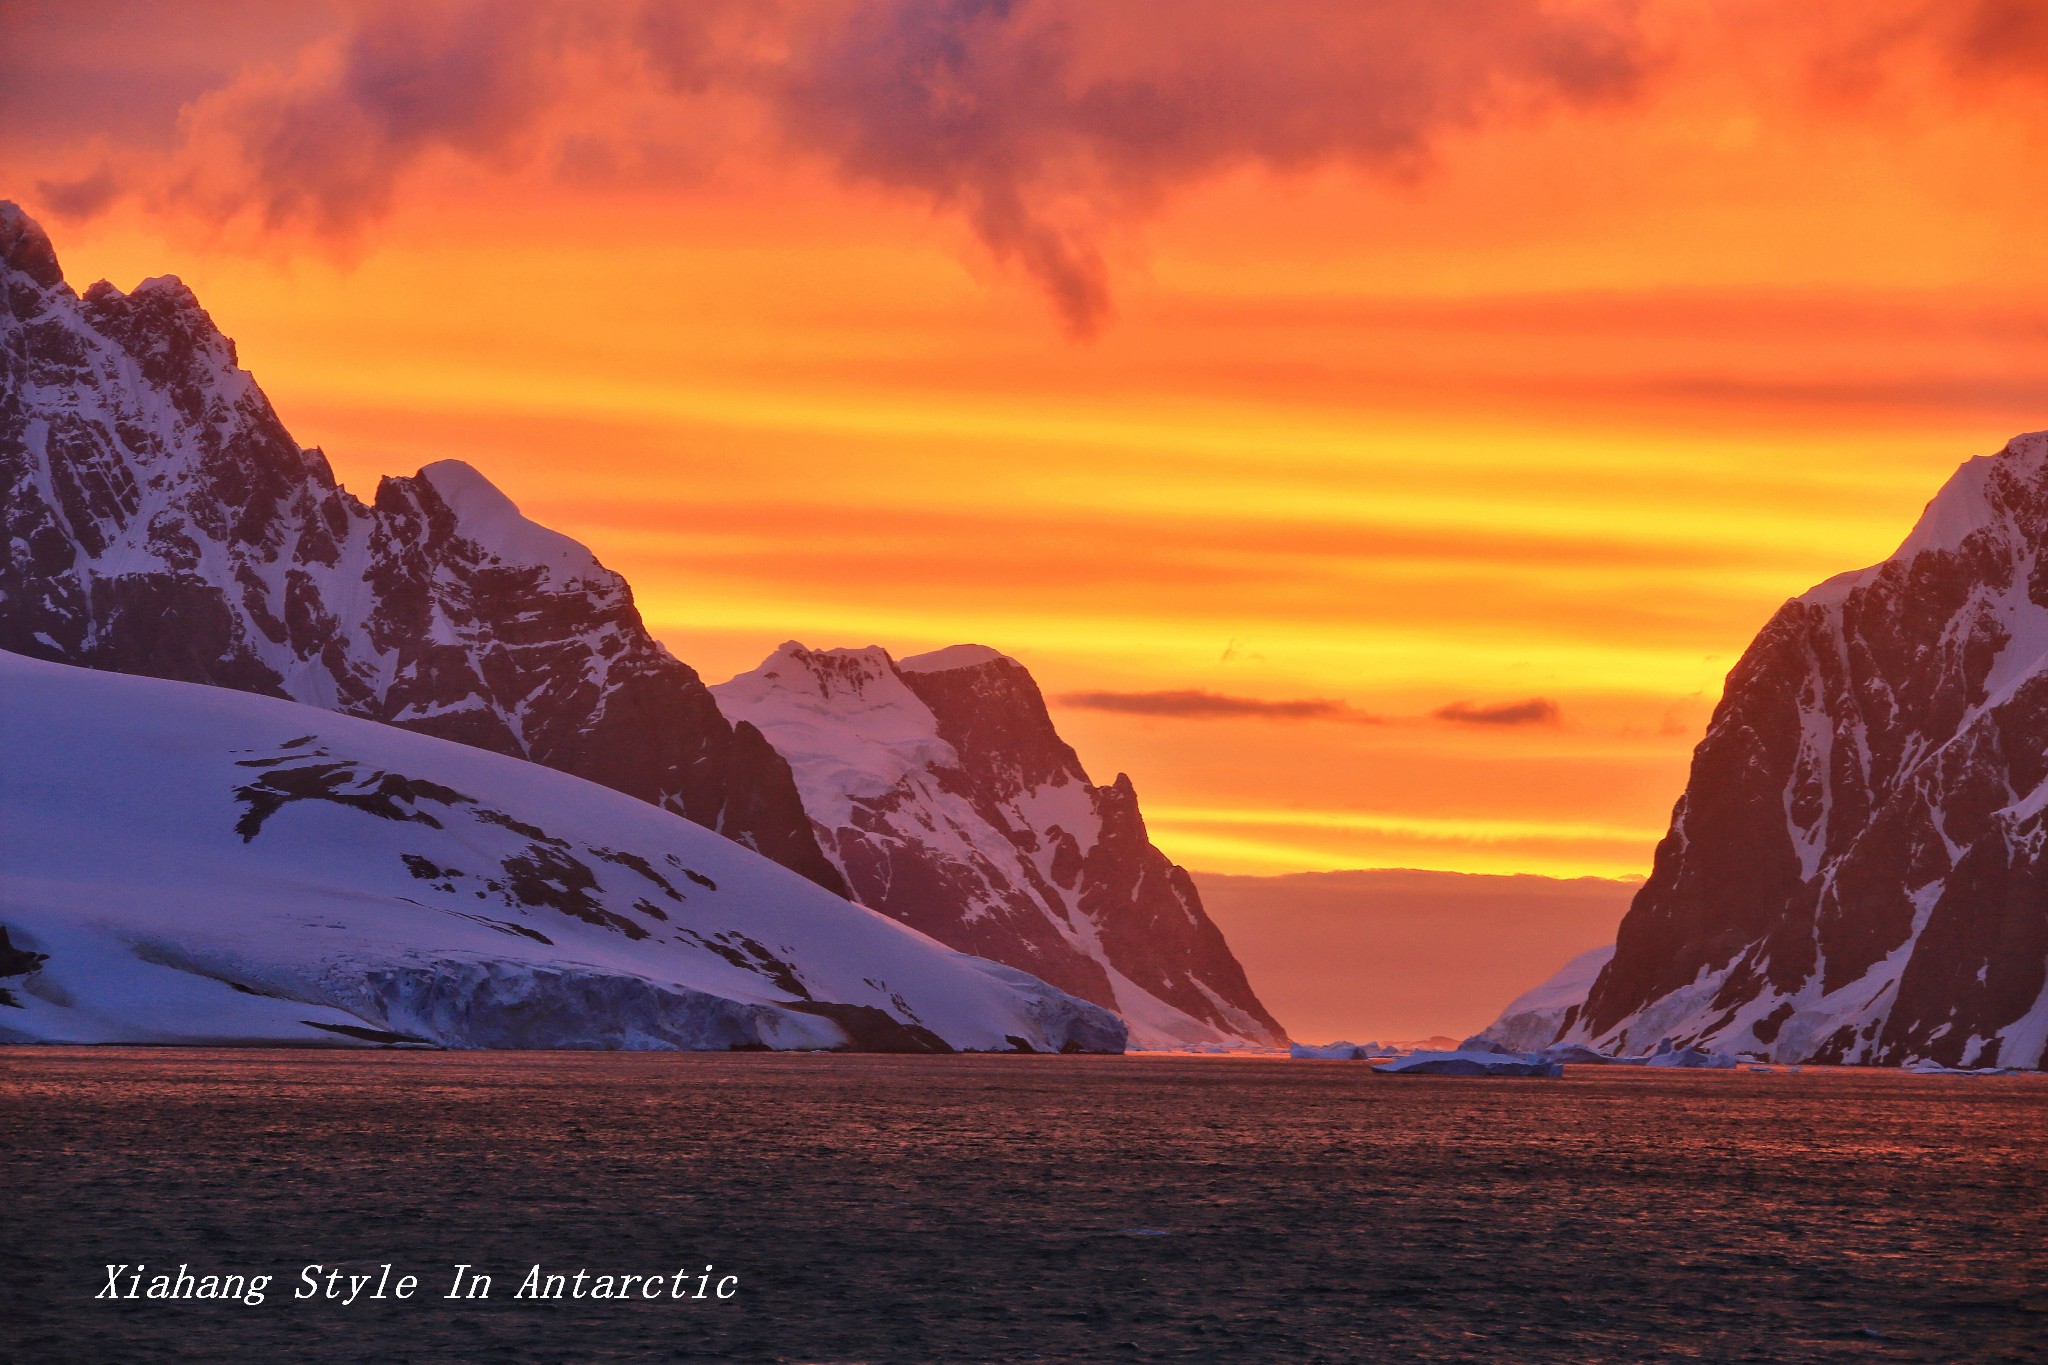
(187, 864)
(1536, 1016)
(941, 791)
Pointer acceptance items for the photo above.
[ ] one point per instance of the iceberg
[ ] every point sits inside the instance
(1578, 1054)
(1690, 1058)
(1339, 1052)
(1927, 1066)
(1472, 1063)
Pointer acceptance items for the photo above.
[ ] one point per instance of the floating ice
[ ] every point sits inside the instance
(1690, 1058)
(1463, 1063)
(1339, 1052)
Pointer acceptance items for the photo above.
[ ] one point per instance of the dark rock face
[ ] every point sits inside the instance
(160, 520)
(1856, 870)
(942, 790)
(16, 962)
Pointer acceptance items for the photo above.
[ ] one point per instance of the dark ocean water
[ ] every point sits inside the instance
(1023, 1208)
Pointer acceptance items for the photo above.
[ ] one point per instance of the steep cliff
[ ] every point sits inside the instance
(1858, 869)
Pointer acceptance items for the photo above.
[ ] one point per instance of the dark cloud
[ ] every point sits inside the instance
(326, 144)
(966, 103)
(1967, 46)
(1041, 121)
(1534, 711)
(1195, 704)
(1045, 125)
(118, 71)
(1048, 127)
(86, 197)
(2008, 37)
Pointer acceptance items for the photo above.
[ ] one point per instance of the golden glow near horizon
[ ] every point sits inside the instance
(1563, 410)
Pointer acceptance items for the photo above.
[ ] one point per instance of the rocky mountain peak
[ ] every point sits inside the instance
(25, 248)
(989, 709)
(163, 331)
(1858, 869)
(951, 657)
(942, 791)
(836, 674)
(1993, 505)
(489, 520)
(845, 719)
(157, 518)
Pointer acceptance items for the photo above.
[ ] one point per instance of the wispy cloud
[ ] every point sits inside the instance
(1533, 711)
(1196, 704)
(1192, 703)
(1478, 829)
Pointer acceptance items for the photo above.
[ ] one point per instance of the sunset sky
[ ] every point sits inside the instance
(1379, 426)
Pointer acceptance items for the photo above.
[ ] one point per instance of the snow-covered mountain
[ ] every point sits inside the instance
(192, 864)
(1858, 869)
(1533, 1019)
(940, 789)
(157, 518)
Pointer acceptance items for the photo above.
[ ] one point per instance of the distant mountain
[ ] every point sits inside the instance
(184, 864)
(159, 519)
(1858, 869)
(1392, 954)
(941, 790)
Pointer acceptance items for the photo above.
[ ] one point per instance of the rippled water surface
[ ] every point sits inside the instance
(1025, 1208)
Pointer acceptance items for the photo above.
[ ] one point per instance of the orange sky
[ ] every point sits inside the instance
(1304, 373)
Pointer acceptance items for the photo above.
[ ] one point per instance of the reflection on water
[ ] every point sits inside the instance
(1026, 1208)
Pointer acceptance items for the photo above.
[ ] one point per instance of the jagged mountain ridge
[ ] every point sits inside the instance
(1858, 869)
(188, 864)
(160, 520)
(942, 791)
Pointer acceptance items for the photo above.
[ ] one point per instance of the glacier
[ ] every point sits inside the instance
(188, 864)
